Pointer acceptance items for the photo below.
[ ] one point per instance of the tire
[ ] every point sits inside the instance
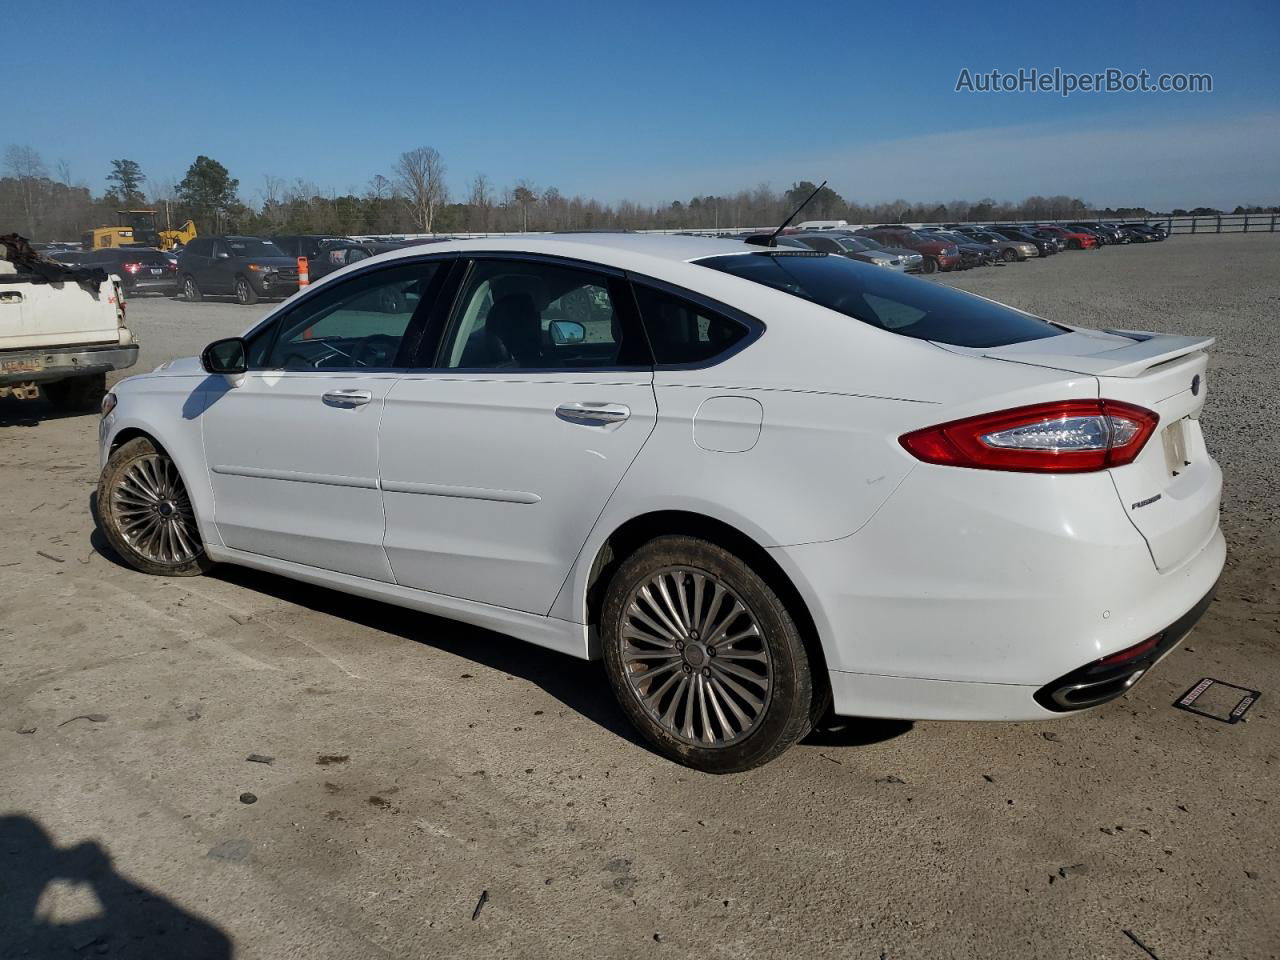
(1009, 255)
(137, 481)
(77, 393)
(246, 296)
(191, 290)
(930, 265)
(1073, 245)
(719, 707)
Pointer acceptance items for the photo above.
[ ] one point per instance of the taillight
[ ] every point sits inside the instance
(1069, 436)
(131, 267)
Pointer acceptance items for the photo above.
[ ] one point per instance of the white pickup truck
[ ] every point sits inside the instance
(61, 329)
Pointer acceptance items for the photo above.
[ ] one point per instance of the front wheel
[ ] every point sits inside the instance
(146, 514)
(245, 294)
(704, 658)
(1009, 255)
(930, 265)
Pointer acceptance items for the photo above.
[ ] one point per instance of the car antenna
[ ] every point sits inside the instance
(772, 239)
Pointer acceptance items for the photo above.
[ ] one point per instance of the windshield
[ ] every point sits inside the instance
(890, 301)
(253, 247)
(849, 243)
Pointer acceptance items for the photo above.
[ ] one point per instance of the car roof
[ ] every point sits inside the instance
(590, 246)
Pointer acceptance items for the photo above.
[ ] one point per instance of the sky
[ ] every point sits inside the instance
(657, 101)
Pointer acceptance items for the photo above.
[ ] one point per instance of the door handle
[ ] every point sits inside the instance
(10, 297)
(347, 398)
(593, 414)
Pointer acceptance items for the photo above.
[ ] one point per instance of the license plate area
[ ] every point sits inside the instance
(1174, 439)
(22, 365)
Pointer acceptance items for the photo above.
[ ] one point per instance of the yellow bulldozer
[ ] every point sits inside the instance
(140, 230)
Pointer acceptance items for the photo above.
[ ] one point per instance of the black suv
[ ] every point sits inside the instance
(248, 268)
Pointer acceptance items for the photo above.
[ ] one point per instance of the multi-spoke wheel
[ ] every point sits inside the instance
(704, 657)
(146, 512)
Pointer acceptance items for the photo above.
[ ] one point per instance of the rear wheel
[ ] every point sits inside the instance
(191, 290)
(245, 294)
(704, 658)
(146, 514)
(77, 393)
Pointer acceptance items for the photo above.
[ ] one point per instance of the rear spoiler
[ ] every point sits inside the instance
(1096, 354)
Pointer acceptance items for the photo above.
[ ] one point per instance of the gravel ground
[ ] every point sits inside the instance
(436, 790)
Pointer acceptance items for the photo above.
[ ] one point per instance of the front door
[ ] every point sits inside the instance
(293, 449)
(496, 462)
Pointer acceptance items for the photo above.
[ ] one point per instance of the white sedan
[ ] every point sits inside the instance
(760, 483)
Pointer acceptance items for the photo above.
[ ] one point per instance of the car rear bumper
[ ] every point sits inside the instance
(42, 366)
(151, 285)
(968, 593)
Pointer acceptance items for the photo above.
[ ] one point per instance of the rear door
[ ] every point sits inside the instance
(500, 454)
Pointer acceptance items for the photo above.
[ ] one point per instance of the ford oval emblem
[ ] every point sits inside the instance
(1195, 385)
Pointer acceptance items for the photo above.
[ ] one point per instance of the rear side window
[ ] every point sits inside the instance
(891, 301)
(683, 332)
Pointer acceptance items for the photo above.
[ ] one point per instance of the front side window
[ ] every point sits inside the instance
(891, 301)
(515, 315)
(681, 331)
(355, 324)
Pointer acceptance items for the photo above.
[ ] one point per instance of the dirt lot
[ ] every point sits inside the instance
(418, 763)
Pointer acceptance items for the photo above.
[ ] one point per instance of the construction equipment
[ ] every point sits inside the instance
(140, 230)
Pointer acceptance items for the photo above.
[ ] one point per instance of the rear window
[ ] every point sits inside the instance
(890, 301)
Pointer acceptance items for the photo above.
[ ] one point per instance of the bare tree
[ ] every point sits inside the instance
(481, 201)
(420, 175)
(24, 164)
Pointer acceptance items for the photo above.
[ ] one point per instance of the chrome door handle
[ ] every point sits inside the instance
(347, 398)
(10, 297)
(593, 414)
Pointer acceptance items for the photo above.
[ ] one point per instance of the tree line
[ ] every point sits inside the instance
(413, 197)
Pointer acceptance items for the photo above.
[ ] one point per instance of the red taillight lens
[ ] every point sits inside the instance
(1069, 436)
(131, 267)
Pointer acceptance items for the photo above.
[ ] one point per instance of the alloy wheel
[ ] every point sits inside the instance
(153, 512)
(695, 658)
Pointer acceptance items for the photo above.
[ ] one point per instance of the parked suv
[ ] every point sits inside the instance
(247, 268)
(938, 254)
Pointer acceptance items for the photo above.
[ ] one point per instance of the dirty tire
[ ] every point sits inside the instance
(109, 519)
(789, 709)
(77, 393)
(246, 296)
(191, 290)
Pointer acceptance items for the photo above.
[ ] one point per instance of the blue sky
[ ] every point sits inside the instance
(658, 101)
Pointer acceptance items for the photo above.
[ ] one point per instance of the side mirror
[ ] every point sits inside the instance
(565, 332)
(222, 255)
(225, 356)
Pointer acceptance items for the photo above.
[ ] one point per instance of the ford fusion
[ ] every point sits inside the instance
(759, 483)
